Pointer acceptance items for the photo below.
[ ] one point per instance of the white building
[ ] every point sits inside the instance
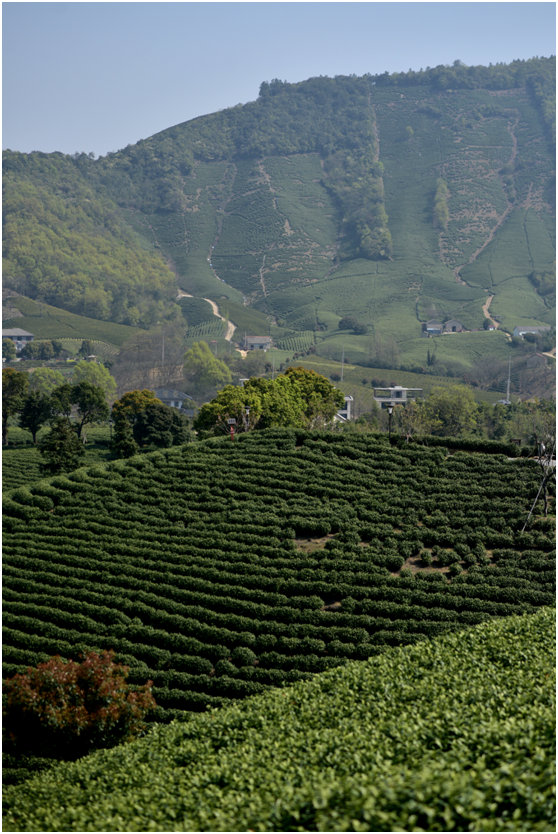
(18, 336)
(344, 413)
(257, 342)
(396, 395)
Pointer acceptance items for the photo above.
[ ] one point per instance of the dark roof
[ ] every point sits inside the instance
(15, 331)
(171, 394)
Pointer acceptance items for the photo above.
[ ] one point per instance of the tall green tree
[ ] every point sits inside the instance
(91, 404)
(36, 411)
(62, 450)
(61, 399)
(9, 351)
(455, 408)
(203, 370)
(96, 375)
(14, 391)
(45, 380)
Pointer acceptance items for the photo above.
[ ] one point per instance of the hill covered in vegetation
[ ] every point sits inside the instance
(393, 198)
(451, 735)
(219, 569)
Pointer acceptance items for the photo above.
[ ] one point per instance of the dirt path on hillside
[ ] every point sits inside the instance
(230, 326)
(485, 308)
(490, 238)
(262, 282)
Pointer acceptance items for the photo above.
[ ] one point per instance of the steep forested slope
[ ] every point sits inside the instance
(396, 198)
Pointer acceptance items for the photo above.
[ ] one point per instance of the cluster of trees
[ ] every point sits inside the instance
(441, 211)
(350, 323)
(140, 419)
(298, 398)
(64, 242)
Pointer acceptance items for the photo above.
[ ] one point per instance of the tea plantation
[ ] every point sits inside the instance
(220, 570)
(454, 734)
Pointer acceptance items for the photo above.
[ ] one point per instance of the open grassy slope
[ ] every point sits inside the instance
(210, 568)
(451, 735)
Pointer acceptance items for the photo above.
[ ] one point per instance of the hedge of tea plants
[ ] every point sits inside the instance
(456, 734)
(222, 568)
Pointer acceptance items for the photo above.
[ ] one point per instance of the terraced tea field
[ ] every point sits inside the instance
(219, 570)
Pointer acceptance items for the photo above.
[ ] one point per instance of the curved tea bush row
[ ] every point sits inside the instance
(456, 734)
(209, 568)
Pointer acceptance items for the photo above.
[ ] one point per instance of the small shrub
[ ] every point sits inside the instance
(242, 656)
(67, 708)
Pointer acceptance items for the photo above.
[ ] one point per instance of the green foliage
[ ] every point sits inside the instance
(48, 322)
(14, 390)
(64, 242)
(61, 449)
(45, 380)
(37, 410)
(469, 749)
(96, 375)
(91, 403)
(63, 708)
(9, 351)
(441, 211)
(203, 370)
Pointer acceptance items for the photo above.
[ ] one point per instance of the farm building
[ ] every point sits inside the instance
(453, 326)
(396, 395)
(257, 342)
(18, 336)
(434, 327)
(537, 360)
(520, 330)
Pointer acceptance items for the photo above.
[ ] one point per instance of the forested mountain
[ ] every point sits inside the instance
(394, 199)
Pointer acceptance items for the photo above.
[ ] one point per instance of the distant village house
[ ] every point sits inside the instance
(175, 399)
(257, 342)
(18, 336)
(520, 330)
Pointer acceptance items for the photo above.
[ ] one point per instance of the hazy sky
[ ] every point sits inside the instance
(98, 76)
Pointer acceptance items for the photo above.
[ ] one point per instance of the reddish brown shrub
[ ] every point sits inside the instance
(66, 708)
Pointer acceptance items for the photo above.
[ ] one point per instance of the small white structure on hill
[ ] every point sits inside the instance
(396, 395)
(344, 413)
(18, 336)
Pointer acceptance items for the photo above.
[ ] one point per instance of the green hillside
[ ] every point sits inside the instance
(392, 198)
(219, 569)
(47, 322)
(451, 735)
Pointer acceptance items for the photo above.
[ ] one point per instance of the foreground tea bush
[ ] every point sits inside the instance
(63, 708)
(454, 734)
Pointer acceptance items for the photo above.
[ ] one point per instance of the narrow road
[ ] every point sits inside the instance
(485, 307)
(230, 326)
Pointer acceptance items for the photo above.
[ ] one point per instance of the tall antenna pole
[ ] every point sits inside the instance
(509, 374)
(342, 360)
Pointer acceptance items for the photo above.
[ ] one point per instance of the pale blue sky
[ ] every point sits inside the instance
(98, 76)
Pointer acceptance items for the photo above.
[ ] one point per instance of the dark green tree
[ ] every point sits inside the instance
(124, 445)
(57, 347)
(36, 412)
(91, 404)
(8, 350)
(62, 450)
(86, 348)
(61, 400)
(14, 391)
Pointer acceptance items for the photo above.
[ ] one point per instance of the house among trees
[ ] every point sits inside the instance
(175, 399)
(344, 413)
(396, 395)
(520, 330)
(18, 336)
(453, 326)
(537, 360)
(257, 342)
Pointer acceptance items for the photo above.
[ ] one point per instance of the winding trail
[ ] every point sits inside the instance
(230, 326)
(501, 219)
(485, 307)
